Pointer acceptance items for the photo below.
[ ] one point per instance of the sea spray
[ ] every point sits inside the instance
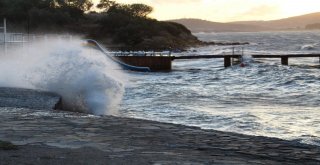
(87, 81)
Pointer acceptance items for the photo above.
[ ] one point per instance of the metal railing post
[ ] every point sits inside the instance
(4, 30)
(5, 35)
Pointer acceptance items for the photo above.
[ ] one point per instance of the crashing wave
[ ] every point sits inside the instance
(87, 81)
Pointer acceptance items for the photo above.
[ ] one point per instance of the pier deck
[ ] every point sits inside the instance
(285, 57)
(161, 63)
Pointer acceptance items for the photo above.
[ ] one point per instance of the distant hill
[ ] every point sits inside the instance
(198, 25)
(291, 23)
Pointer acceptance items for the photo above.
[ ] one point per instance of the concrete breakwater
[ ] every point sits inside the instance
(27, 98)
(46, 136)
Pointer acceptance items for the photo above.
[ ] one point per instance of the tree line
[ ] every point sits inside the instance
(121, 24)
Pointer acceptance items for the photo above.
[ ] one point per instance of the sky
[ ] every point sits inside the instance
(228, 10)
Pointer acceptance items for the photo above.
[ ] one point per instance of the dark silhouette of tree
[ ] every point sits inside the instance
(106, 4)
(124, 24)
(133, 10)
(18, 9)
(140, 10)
(83, 5)
(49, 14)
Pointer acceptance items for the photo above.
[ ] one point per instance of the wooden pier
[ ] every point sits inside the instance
(285, 58)
(164, 63)
(155, 63)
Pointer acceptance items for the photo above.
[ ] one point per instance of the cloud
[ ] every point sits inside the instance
(228, 10)
(262, 10)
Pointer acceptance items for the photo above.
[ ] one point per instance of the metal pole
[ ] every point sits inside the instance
(5, 35)
(242, 54)
(242, 51)
(4, 28)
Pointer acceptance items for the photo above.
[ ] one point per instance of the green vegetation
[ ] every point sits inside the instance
(45, 15)
(7, 146)
(121, 25)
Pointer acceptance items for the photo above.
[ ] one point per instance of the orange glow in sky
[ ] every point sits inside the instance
(228, 10)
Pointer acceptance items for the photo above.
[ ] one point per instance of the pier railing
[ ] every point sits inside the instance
(228, 58)
(141, 53)
(285, 57)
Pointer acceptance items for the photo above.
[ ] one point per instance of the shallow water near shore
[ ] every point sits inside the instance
(263, 98)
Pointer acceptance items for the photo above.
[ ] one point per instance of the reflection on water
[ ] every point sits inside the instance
(263, 98)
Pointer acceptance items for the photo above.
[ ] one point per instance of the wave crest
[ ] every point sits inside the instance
(87, 81)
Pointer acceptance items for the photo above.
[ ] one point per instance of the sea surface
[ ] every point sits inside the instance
(263, 98)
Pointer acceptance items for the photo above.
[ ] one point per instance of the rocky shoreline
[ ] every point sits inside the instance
(203, 43)
(159, 46)
(44, 136)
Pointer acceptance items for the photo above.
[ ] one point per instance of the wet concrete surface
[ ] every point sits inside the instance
(46, 136)
(27, 98)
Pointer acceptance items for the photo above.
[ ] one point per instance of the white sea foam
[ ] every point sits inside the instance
(85, 78)
(308, 47)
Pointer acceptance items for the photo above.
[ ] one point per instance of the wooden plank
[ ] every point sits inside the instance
(265, 56)
(253, 56)
(303, 55)
(204, 56)
(155, 63)
(284, 55)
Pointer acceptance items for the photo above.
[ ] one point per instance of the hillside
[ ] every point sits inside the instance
(291, 23)
(119, 26)
(297, 22)
(198, 25)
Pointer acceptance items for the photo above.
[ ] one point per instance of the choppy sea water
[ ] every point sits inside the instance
(263, 98)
